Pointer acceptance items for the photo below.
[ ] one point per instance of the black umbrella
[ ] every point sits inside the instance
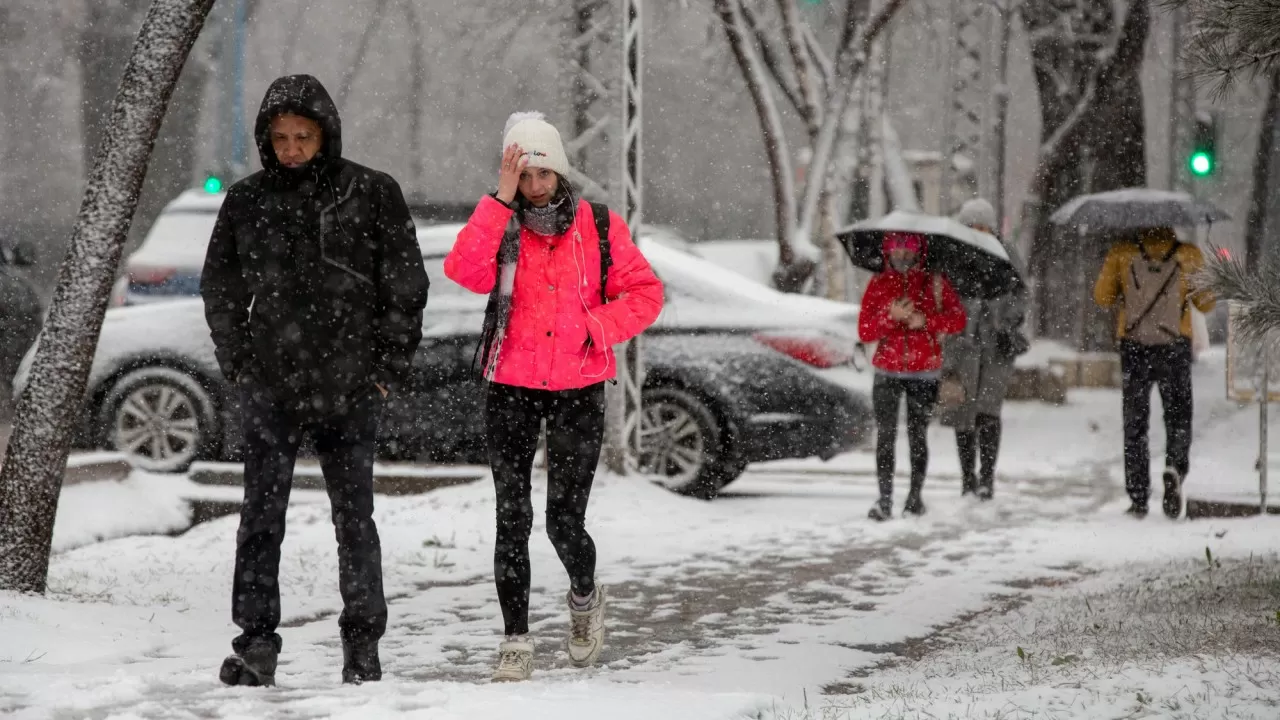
(977, 264)
(1136, 208)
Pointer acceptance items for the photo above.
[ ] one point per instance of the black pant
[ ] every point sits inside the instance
(1168, 367)
(922, 396)
(345, 445)
(984, 439)
(575, 429)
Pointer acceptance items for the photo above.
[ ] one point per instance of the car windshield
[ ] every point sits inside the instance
(178, 238)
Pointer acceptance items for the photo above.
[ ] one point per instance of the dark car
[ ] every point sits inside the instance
(21, 313)
(728, 379)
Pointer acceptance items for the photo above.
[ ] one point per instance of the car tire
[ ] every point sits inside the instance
(162, 419)
(693, 457)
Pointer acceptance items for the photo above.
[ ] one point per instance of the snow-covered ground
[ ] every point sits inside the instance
(776, 601)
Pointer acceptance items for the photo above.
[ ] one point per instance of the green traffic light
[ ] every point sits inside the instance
(1200, 163)
(213, 184)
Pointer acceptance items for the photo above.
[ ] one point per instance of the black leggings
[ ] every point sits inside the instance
(922, 395)
(575, 429)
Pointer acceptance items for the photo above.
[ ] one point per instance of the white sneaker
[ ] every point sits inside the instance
(586, 630)
(515, 660)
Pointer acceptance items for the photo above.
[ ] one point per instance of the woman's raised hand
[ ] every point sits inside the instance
(514, 161)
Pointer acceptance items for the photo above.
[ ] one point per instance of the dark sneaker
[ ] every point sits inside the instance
(986, 491)
(882, 510)
(968, 486)
(253, 664)
(360, 662)
(1172, 503)
(914, 505)
(1137, 510)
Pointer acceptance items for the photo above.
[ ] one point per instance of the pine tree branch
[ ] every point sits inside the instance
(1231, 37)
(1256, 293)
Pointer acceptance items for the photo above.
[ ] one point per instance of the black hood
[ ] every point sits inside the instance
(297, 95)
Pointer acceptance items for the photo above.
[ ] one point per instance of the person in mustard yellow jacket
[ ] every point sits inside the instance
(1148, 281)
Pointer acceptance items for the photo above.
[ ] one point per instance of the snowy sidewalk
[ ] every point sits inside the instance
(778, 589)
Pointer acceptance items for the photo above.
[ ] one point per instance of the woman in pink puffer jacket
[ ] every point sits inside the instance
(546, 352)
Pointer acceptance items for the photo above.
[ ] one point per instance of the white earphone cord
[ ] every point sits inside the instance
(582, 282)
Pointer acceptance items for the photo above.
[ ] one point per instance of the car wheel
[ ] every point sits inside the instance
(163, 420)
(682, 443)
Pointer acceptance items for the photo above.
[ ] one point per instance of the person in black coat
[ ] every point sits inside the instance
(314, 289)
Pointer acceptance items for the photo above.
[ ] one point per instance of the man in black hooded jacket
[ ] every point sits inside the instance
(314, 290)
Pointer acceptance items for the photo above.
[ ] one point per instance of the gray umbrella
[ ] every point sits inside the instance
(1136, 208)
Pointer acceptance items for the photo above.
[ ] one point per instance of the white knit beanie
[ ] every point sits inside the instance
(977, 212)
(539, 139)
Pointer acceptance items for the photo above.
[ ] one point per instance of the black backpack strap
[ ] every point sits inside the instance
(601, 214)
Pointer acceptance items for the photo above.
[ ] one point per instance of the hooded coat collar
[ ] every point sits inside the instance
(298, 95)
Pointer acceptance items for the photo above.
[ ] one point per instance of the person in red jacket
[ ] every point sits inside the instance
(905, 310)
(546, 353)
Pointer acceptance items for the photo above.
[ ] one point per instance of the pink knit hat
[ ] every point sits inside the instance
(903, 240)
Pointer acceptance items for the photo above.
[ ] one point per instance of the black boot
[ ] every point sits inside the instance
(882, 510)
(914, 504)
(989, 447)
(967, 444)
(1172, 503)
(360, 662)
(1137, 510)
(254, 661)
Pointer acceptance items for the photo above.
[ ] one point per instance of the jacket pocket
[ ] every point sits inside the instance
(344, 268)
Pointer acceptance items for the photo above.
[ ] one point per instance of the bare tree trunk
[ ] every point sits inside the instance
(1264, 169)
(834, 113)
(775, 142)
(31, 477)
(1086, 66)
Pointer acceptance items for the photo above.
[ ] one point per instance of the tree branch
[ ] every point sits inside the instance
(855, 15)
(775, 142)
(770, 58)
(1231, 36)
(1109, 63)
(826, 72)
(808, 93)
(1256, 292)
(836, 107)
